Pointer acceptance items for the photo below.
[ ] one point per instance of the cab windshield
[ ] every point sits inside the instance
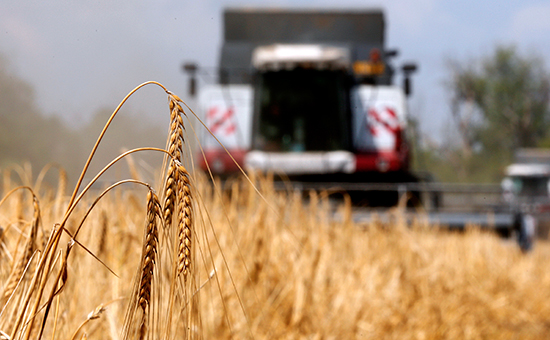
(531, 186)
(301, 110)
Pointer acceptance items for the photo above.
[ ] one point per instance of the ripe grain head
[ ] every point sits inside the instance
(150, 250)
(185, 221)
(175, 149)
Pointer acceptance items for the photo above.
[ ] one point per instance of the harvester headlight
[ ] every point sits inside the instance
(382, 164)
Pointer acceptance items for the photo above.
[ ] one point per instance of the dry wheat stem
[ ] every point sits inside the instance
(9, 193)
(20, 171)
(62, 275)
(25, 270)
(44, 171)
(40, 278)
(18, 271)
(61, 189)
(103, 233)
(134, 173)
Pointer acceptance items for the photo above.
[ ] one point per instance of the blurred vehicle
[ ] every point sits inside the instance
(309, 95)
(526, 191)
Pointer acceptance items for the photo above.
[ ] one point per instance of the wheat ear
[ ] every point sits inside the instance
(148, 261)
(175, 148)
(184, 222)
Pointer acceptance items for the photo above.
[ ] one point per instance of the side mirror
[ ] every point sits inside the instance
(391, 53)
(191, 70)
(407, 85)
(408, 69)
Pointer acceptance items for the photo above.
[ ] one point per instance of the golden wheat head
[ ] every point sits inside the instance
(184, 222)
(150, 250)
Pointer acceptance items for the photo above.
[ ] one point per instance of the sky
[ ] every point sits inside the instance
(81, 56)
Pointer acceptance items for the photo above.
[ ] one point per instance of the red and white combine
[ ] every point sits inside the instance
(308, 94)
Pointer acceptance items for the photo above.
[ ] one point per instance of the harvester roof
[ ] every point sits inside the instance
(356, 31)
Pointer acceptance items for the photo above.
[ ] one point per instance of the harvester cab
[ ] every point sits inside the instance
(301, 106)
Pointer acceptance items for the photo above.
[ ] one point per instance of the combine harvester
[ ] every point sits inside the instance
(309, 96)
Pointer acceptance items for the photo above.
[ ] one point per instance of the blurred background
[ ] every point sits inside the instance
(64, 66)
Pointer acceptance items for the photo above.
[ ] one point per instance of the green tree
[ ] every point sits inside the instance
(502, 101)
(499, 103)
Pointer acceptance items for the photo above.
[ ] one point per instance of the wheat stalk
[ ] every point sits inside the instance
(103, 232)
(60, 195)
(19, 270)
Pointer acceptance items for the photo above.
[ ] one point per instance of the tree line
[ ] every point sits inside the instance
(27, 134)
(499, 103)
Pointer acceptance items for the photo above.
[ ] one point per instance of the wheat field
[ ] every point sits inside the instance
(183, 259)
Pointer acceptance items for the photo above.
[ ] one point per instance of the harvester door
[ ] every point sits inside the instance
(379, 118)
(227, 113)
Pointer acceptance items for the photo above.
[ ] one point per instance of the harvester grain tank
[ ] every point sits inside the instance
(308, 94)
